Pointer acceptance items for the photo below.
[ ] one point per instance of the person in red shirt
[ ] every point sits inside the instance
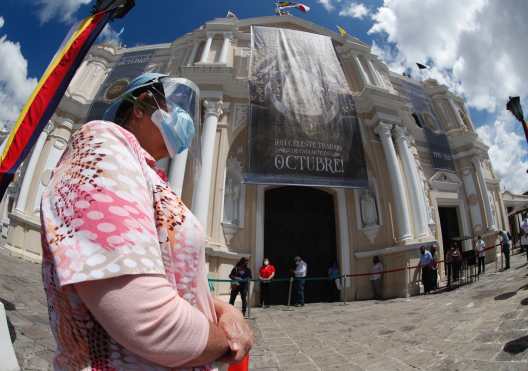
(266, 274)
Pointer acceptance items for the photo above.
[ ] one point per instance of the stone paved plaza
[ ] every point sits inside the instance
(465, 329)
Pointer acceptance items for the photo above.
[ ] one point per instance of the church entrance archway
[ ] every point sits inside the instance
(300, 221)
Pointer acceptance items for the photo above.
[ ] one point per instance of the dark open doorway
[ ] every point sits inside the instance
(449, 224)
(300, 221)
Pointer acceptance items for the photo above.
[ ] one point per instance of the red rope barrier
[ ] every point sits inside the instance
(405, 268)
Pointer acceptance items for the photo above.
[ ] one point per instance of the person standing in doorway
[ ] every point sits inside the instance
(506, 246)
(480, 252)
(241, 275)
(457, 261)
(449, 264)
(375, 277)
(334, 282)
(434, 269)
(301, 269)
(266, 274)
(426, 261)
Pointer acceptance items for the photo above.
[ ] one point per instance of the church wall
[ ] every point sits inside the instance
(368, 79)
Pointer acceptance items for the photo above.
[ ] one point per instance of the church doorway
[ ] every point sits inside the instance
(449, 222)
(300, 221)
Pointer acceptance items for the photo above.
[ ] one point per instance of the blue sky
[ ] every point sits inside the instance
(472, 46)
(148, 23)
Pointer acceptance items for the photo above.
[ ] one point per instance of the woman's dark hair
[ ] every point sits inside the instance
(376, 259)
(242, 262)
(149, 103)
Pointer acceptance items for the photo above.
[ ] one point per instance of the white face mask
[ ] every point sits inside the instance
(266, 262)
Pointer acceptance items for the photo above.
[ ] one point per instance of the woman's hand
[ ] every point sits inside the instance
(239, 335)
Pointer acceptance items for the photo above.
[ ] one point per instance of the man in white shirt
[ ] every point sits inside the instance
(426, 262)
(524, 236)
(301, 269)
(506, 246)
(480, 252)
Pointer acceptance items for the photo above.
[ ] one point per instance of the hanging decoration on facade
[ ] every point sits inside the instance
(303, 127)
(49, 91)
(439, 148)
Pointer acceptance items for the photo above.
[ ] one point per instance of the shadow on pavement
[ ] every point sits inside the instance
(7, 304)
(516, 346)
(506, 295)
(524, 287)
(522, 266)
(524, 301)
(12, 332)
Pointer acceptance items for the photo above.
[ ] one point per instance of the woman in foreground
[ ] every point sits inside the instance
(124, 262)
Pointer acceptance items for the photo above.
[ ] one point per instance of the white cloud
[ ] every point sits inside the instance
(327, 4)
(2, 22)
(476, 48)
(354, 10)
(15, 85)
(507, 151)
(110, 36)
(63, 9)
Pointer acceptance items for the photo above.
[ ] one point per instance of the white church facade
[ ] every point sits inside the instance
(410, 200)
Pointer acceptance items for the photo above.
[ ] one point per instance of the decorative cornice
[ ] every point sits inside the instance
(383, 130)
(401, 133)
(213, 107)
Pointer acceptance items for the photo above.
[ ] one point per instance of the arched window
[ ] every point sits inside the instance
(417, 120)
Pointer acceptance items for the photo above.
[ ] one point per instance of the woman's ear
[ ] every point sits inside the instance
(139, 110)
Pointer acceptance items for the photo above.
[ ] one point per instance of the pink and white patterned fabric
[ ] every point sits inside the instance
(107, 212)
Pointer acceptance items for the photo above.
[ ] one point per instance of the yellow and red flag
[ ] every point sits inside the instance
(49, 91)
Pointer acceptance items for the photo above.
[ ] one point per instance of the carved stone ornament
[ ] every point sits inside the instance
(369, 209)
(240, 117)
(444, 181)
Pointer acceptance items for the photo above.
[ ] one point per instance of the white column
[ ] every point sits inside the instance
(30, 172)
(376, 74)
(471, 194)
(490, 222)
(398, 189)
(177, 172)
(414, 182)
(207, 48)
(455, 109)
(362, 70)
(213, 110)
(193, 54)
(225, 47)
(344, 240)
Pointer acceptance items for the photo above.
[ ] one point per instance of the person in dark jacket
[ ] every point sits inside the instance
(241, 274)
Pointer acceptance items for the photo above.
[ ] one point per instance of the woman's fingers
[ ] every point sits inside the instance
(239, 335)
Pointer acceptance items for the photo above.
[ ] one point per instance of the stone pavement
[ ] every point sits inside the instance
(465, 329)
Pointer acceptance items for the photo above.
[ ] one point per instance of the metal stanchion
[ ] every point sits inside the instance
(290, 291)
(249, 300)
(343, 288)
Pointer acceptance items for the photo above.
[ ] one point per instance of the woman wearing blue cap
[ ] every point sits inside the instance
(123, 258)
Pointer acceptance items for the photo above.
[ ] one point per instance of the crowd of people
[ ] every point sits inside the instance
(241, 275)
(455, 260)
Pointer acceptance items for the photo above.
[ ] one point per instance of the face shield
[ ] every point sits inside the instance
(178, 116)
(176, 113)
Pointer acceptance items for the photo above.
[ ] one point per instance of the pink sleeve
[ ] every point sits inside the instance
(144, 314)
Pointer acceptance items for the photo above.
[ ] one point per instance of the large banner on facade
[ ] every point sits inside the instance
(303, 124)
(441, 156)
(128, 66)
